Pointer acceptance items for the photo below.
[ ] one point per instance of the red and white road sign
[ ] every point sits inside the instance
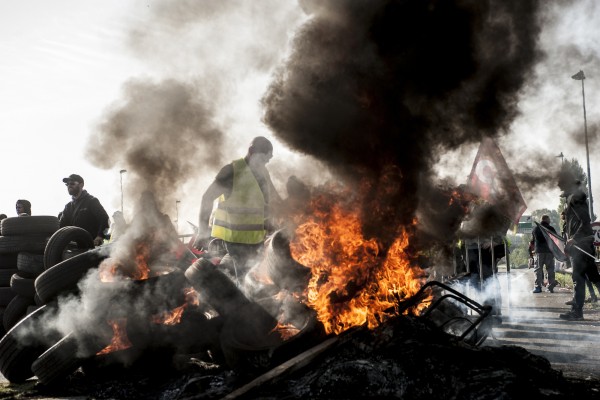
(596, 228)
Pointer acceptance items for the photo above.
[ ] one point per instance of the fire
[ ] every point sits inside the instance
(286, 331)
(352, 283)
(142, 253)
(173, 317)
(120, 341)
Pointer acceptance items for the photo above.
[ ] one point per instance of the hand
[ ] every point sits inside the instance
(201, 242)
(569, 246)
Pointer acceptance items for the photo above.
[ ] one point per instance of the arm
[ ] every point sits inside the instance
(101, 217)
(65, 218)
(222, 185)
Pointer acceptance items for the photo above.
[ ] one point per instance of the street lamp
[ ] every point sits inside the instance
(121, 172)
(580, 76)
(177, 214)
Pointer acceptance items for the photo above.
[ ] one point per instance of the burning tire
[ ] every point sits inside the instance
(61, 241)
(64, 358)
(285, 272)
(23, 344)
(31, 225)
(64, 276)
(16, 310)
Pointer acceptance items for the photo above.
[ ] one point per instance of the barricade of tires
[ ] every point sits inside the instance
(23, 242)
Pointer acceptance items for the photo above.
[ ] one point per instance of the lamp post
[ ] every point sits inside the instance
(177, 215)
(121, 172)
(580, 76)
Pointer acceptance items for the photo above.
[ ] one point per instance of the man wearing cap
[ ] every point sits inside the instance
(241, 219)
(84, 211)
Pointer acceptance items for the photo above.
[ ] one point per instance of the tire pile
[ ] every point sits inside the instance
(23, 242)
(29, 249)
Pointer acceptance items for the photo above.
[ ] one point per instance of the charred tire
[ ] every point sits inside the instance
(6, 275)
(6, 295)
(30, 265)
(23, 286)
(62, 359)
(64, 276)
(17, 244)
(16, 310)
(19, 348)
(60, 240)
(32, 225)
(8, 260)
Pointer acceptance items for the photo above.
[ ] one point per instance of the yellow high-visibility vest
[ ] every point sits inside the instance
(241, 217)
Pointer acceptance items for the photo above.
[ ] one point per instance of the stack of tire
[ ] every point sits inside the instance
(52, 267)
(22, 244)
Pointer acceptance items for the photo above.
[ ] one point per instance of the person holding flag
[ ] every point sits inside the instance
(544, 256)
(580, 242)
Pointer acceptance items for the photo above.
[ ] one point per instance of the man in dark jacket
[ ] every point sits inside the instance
(578, 232)
(84, 211)
(544, 257)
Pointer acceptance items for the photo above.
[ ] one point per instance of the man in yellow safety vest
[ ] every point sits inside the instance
(241, 219)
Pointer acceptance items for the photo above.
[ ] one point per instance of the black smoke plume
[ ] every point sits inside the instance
(388, 85)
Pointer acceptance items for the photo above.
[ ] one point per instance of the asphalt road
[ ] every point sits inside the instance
(531, 321)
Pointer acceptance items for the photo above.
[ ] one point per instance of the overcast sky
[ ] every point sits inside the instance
(65, 65)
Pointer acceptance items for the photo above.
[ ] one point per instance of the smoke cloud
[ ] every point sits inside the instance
(382, 88)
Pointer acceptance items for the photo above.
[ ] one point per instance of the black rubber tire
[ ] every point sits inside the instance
(30, 265)
(8, 260)
(62, 359)
(23, 286)
(6, 275)
(32, 225)
(60, 241)
(16, 310)
(23, 344)
(17, 244)
(6, 295)
(64, 276)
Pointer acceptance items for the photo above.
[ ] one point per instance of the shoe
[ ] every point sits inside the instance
(592, 300)
(552, 286)
(572, 316)
(570, 302)
(537, 289)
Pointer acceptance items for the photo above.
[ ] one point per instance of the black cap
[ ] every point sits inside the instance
(73, 177)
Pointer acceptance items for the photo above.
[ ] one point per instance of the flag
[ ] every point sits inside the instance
(492, 180)
(555, 243)
(579, 76)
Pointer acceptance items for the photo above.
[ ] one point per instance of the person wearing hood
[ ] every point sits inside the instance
(84, 210)
(580, 240)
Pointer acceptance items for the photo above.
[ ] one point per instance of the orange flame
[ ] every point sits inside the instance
(142, 252)
(286, 331)
(173, 317)
(120, 341)
(352, 284)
